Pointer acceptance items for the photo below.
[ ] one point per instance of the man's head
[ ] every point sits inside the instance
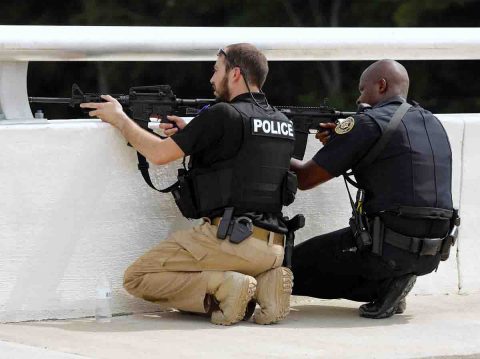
(237, 65)
(381, 80)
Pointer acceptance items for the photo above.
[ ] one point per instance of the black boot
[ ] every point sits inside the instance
(392, 301)
(400, 309)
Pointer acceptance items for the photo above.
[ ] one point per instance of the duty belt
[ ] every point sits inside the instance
(259, 233)
(420, 246)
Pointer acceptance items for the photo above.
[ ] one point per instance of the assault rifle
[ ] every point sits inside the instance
(142, 102)
(307, 120)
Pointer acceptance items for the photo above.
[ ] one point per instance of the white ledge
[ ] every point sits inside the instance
(122, 43)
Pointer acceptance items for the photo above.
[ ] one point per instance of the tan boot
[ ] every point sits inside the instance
(233, 291)
(274, 288)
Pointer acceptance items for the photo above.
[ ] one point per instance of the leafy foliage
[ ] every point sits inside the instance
(438, 85)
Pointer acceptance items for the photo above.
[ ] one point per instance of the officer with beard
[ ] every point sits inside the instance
(239, 151)
(402, 162)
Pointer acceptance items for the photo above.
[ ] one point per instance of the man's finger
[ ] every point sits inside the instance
(328, 125)
(174, 118)
(108, 98)
(93, 113)
(319, 135)
(91, 105)
(165, 126)
(170, 131)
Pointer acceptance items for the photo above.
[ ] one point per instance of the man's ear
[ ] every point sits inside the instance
(236, 74)
(382, 85)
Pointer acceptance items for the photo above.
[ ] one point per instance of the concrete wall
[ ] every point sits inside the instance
(73, 205)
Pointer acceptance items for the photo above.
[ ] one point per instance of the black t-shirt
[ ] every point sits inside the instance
(215, 135)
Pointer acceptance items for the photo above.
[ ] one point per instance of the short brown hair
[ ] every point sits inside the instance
(252, 62)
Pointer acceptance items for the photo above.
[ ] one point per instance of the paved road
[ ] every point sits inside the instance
(432, 327)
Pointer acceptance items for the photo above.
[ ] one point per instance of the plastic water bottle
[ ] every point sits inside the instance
(103, 298)
(39, 114)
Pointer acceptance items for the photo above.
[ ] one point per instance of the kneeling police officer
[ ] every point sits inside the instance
(237, 181)
(402, 221)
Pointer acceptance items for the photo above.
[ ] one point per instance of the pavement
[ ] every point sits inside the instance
(446, 326)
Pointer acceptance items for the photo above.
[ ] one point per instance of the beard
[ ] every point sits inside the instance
(222, 93)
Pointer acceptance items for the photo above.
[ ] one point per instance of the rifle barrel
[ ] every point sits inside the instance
(49, 99)
(196, 101)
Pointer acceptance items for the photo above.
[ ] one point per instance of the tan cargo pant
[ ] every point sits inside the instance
(175, 273)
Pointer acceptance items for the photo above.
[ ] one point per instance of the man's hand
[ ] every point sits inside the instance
(169, 129)
(110, 111)
(324, 136)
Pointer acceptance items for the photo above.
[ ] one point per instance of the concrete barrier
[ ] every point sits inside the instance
(74, 206)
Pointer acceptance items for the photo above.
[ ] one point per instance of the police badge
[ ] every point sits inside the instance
(344, 125)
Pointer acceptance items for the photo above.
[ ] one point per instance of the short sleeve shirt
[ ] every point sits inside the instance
(214, 135)
(343, 151)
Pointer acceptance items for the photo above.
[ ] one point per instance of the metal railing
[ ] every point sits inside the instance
(21, 44)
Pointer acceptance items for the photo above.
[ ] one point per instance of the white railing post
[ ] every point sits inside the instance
(14, 105)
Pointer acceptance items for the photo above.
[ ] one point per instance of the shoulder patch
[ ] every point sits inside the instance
(344, 125)
(272, 127)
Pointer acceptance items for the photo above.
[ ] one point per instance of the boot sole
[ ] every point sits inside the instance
(246, 294)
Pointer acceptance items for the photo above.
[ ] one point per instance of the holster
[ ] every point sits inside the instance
(360, 232)
(378, 233)
(293, 225)
(451, 238)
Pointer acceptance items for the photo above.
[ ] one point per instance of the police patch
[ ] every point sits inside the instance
(272, 127)
(344, 125)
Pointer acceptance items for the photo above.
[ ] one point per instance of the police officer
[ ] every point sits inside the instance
(239, 150)
(403, 210)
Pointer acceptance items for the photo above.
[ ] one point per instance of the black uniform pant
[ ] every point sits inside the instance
(330, 266)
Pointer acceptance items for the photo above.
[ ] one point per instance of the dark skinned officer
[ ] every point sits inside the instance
(405, 203)
(237, 169)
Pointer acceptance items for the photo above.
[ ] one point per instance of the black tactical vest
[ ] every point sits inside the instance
(255, 180)
(415, 167)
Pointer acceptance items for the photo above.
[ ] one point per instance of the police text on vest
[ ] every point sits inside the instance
(272, 127)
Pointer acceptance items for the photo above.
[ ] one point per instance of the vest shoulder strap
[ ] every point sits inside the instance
(378, 147)
(385, 138)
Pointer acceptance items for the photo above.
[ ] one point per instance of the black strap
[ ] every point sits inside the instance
(346, 177)
(420, 246)
(382, 142)
(143, 163)
(378, 147)
(143, 168)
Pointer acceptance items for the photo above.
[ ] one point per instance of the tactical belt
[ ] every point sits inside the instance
(420, 246)
(259, 233)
